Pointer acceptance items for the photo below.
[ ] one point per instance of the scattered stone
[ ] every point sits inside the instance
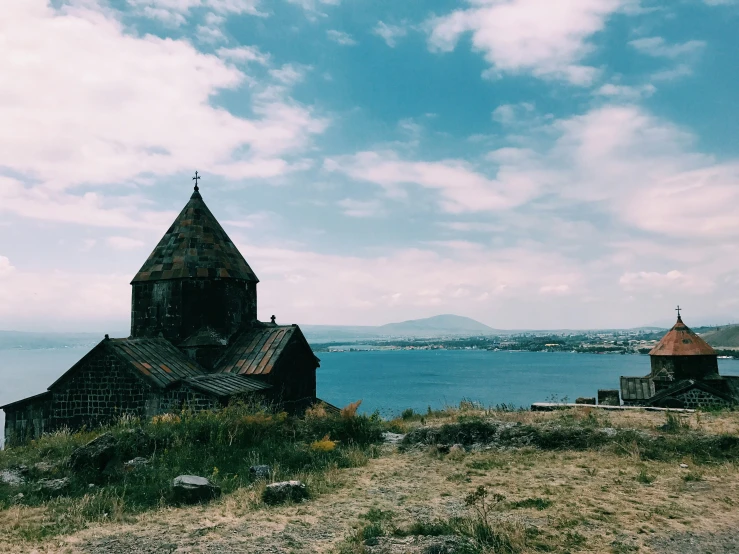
(43, 467)
(586, 400)
(609, 431)
(277, 493)
(12, 477)
(684, 466)
(392, 438)
(609, 397)
(260, 472)
(53, 486)
(190, 489)
(136, 463)
(18, 497)
(95, 454)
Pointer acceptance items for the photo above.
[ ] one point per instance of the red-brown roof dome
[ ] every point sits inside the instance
(195, 246)
(681, 341)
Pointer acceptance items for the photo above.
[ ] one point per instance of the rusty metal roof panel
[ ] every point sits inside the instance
(257, 350)
(681, 341)
(195, 246)
(637, 388)
(156, 359)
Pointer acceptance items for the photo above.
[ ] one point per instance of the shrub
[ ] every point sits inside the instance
(323, 445)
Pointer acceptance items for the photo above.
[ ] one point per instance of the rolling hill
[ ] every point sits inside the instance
(437, 325)
(727, 337)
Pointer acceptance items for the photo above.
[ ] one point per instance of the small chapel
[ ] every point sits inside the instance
(195, 342)
(684, 374)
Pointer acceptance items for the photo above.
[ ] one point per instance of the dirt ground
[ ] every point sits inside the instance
(579, 501)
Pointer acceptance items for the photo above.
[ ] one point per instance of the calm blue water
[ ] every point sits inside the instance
(391, 381)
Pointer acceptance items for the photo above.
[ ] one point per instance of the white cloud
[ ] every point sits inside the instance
(535, 36)
(175, 11)
(625, 92)
(658, 47)
(244, 54)
(461, 188)
(168, 17)
(390, 33)
(672, 74)
(360, 208)
(510, 113)
(656, 282)
(89, 209)
(557, 290)
(98, 105)
(340, 37)
(5, 267)
(125, 243)
(377, 289)
(290, 74)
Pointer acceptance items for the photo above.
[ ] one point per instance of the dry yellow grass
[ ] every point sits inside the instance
(591, 501)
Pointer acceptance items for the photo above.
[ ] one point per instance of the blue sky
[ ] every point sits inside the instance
(520, 162)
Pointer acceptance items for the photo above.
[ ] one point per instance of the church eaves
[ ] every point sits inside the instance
(195, 247)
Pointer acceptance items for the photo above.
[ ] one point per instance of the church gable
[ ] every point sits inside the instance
(691, 394)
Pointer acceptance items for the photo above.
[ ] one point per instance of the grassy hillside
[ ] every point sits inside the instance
(466, 481)
(726, 337)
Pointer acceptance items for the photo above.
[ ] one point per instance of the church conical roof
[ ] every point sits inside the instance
(195, 246)
(681, 341)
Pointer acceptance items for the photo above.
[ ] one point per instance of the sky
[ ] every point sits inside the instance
(526, 163)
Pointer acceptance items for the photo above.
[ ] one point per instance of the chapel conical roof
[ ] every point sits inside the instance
(681, 341)
(195, 246)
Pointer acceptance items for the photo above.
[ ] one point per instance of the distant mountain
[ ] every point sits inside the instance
(447, 324)
(727, 337)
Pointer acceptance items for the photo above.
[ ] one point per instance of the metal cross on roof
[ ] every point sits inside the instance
(678, 311)
(196, 178)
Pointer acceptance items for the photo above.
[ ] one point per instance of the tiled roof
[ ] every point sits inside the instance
(35, 398)
(226, 384)
(681, 341)
(636, 388)
(156, 359)
(195, 246)
(257, 350)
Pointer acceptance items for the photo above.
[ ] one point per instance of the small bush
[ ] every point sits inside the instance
(536, 503)
(644, 478)
(323, 445)
(350, 410)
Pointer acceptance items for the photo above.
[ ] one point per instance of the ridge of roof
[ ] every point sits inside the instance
(681, 341)
(195, 246)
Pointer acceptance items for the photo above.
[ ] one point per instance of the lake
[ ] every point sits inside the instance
(390, 381)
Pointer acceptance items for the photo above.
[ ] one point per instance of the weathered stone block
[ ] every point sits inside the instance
(190, 489)
(277, 493)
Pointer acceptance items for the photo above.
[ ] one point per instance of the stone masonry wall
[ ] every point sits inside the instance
(26, 421)
(183, 397)
(177, 308)
(101, 390)
(696, 398)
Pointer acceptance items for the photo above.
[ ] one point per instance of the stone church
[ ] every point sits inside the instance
(684, 375)
(195, 342)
